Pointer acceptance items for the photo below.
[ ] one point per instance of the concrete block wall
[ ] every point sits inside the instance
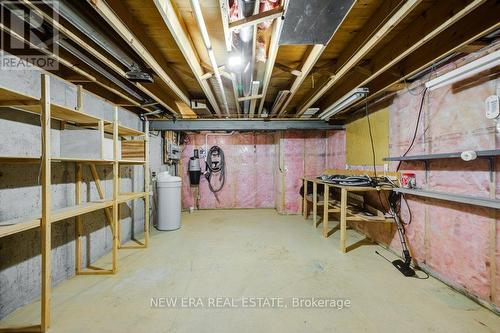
(20, 193)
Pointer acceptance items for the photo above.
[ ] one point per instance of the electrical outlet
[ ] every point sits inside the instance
(386, 167)
(492, 106)
(203, 152)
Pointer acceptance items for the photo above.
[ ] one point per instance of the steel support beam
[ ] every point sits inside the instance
(240, 125)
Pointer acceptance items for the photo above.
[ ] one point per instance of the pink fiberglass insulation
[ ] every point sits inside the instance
(254, 178)
(293, 145)
(335, 150)
(249, 172)
(453, 240)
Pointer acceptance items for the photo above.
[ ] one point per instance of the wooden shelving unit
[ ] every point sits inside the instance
(49, 111)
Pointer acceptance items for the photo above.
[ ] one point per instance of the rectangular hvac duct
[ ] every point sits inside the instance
(310, 22)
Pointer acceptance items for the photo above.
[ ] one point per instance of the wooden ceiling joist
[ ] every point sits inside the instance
(98, 55)
(362, 46)
(257, 18)
(107, 13)
(308, 64)
(479, 23)
(64, 62)
(176, 27)
(271, 57)
(224, 13)
(430, 24)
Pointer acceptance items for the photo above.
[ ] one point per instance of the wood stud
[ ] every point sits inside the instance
(47, 112)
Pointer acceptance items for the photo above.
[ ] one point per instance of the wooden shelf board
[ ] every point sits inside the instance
(465, 199)
(31, 104)
(72, 211)
(123, 130)
(81, 160)
(22, 224)
(10, 98)
(124, 197)
(18, 225)
(36, 160)
(131, 162)
(19, 159)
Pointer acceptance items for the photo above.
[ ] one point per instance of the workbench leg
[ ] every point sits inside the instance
(325, 210)
(343, 219)
(315, 203)
(304, 200)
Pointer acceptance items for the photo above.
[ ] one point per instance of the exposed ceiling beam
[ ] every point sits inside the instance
(224, 13)
(253, 102)
(312, 57)
(64, 62)
(135, 43)
(94, 52)
(430, 24)
(362, 46)
(474, 26)
(249, 98)
(287, 69)
(185, 44)
(272, 53)
(257, 18)
(241, 125)
(234, 84)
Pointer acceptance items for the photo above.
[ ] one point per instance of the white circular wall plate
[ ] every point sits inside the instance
(492, 107)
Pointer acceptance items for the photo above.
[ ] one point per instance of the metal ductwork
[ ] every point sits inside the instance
(66, 11)
(245, 46)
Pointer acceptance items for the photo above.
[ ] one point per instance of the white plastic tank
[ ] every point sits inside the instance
(169, 201)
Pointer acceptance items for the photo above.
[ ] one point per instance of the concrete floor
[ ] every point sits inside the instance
(256, 253)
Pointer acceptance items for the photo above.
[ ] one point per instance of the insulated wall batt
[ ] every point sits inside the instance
(249, 171)
(457, 242)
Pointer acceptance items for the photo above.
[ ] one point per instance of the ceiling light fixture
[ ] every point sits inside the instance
(477, 66)
(343, 103)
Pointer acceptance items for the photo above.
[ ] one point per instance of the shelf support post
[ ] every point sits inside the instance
(146, 184)
(45, 232)
(78, 220)
(116, 181)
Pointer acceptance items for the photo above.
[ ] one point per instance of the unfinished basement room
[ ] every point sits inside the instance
(249, 166)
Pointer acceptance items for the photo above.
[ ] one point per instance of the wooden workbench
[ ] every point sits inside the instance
(342, 207)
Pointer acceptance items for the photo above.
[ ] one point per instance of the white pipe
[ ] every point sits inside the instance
(214, 134)
(195, 4)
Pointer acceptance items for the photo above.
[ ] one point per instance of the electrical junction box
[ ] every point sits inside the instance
(174, 152)
(492, 106)
(203, 152)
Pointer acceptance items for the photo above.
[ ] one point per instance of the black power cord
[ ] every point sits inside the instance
(421, 107)
(215, 166)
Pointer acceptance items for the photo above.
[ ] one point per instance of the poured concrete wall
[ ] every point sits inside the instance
(20, 193)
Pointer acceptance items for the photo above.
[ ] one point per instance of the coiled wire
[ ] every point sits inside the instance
(212, 170)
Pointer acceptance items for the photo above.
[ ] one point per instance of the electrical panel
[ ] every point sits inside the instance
(173, 152)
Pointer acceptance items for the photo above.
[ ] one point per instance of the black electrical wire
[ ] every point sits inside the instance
(215, 167)
(416, 127)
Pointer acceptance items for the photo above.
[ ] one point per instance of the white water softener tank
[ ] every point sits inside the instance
(169, 201)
